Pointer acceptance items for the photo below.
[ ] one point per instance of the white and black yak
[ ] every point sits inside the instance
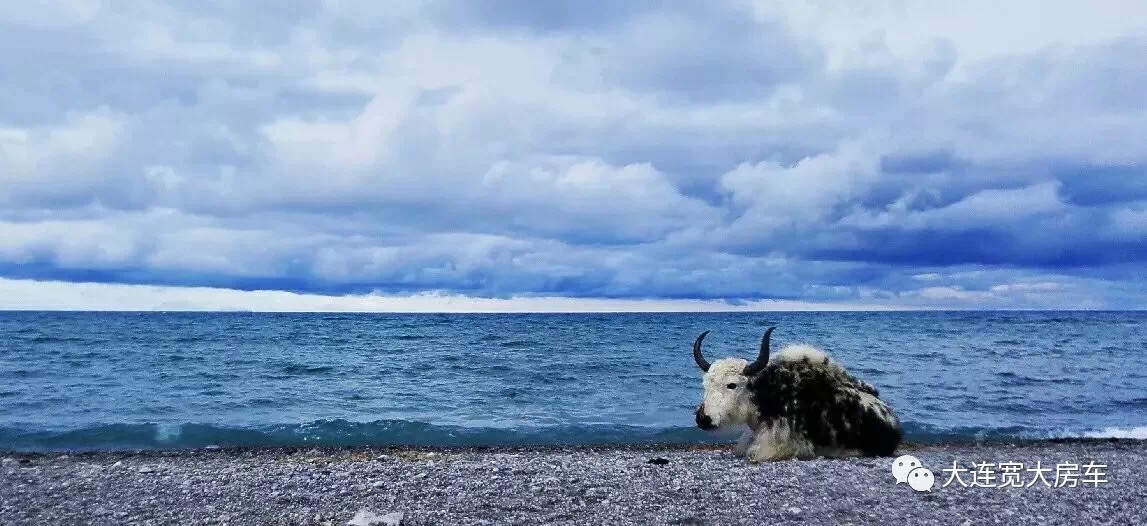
(798, 403)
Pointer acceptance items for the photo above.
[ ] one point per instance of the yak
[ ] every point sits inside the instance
(797, 404)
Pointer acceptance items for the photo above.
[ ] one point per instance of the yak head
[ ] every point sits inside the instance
(728, 400)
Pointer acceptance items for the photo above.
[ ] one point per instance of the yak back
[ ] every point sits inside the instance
(827, 405)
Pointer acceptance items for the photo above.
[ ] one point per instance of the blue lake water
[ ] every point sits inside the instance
(170, 380)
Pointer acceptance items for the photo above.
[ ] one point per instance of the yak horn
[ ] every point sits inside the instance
(762, 358)
(697, 357)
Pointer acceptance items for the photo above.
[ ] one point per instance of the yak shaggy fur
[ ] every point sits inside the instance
(800, 405)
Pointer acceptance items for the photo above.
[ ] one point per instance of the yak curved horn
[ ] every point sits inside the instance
(762, 358)
(697, 357)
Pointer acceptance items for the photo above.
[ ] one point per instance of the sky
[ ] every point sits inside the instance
(515, 155)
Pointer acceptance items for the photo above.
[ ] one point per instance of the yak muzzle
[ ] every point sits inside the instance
(703, 420)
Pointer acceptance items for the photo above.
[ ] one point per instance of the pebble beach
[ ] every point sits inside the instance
(667, 484)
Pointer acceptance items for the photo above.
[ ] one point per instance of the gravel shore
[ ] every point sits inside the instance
(584, 486)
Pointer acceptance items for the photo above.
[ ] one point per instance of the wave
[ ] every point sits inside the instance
(928, 433)
(1133, 433)
(335, 433)
(344, 433)
(1134, 402)
(1014, 379)
(925, 433)
(49, 338)
(298, 369)
(519, 344)
(1139, 433)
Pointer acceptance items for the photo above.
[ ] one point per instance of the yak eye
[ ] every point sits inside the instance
(732, 385)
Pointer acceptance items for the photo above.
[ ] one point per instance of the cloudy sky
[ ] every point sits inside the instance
(494, 155)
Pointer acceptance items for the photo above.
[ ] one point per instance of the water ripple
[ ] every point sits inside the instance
(95, 380)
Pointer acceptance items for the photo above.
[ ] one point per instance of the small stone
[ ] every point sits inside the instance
(118, 463)
(147, 469)
(379, 484)
(658, 461)
(794, 510)
(365, 517)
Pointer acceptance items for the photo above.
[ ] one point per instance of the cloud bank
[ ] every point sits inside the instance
(891, 153)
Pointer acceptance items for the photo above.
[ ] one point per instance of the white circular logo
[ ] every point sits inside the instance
(921, 479)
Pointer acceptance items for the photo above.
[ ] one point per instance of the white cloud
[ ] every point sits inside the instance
(950, 293)
(981, 209)
(338, 148)
(555, 195)
(56, 160)
(51, 13)
(777, 196)
(797, 150)
(1040, 286)
(978, 30)
(1131, 222)
(70, 244)
(53, 295)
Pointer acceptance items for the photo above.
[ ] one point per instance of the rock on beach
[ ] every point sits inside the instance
(575, 486)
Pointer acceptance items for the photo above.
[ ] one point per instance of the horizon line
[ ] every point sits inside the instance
(25, 295)
(744, 311)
